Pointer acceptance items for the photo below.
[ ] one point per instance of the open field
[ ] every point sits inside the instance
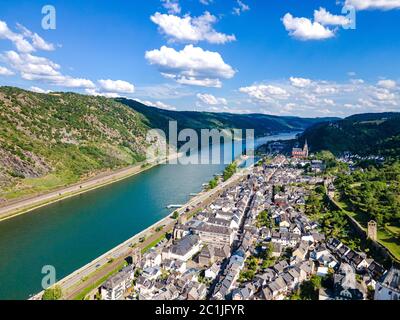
(388, 236)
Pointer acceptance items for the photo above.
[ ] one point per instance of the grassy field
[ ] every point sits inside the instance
(41, 185)
(388, 235)
(89, 288)
(153, 243)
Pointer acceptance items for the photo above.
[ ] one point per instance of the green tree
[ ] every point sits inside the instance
(54, 293)
(229, 171)
(309, 290)
(213, 183)
(175, 215)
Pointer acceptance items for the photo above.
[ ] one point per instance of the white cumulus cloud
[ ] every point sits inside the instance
(191, 65)
(172, 6)
(328, 19)
(5, 72)
(320, 97)
(374, 4)
(265, 93)
(304, 29)
(37, 41)
(241, 7)
(119, 86)
(388, 84)
(157, 104)
(300, 82)
(38, 90)
(386, 95)
(95, 92)
(190, 29)
(35, 68)
(28, 64)
(209, 99)
(21, 44)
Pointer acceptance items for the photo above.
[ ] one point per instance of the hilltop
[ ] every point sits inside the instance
(363, 134)
(52, 140)
(49, 141)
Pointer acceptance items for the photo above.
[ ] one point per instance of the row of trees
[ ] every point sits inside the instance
(333, 222)
(373, 192)
(213, 183)
(52, 293)
(229, 171)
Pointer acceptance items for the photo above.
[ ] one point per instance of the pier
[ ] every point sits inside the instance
(175, 206)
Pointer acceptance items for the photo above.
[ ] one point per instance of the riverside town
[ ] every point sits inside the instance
(200, 158)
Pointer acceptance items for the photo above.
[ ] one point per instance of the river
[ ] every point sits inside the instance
(70, 233)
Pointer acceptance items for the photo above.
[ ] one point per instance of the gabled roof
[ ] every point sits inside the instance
(184, 245)
(119, 278)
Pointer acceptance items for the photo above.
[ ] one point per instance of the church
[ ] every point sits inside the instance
(299, 153)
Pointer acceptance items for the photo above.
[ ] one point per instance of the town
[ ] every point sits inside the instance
(255, 242)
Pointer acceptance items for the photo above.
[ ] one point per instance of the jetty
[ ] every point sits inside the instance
(175, 206)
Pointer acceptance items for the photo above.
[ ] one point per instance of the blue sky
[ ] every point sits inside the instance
(284, 57)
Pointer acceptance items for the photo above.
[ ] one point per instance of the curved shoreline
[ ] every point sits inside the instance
(120, 250)
(35, 202)
(27, 205)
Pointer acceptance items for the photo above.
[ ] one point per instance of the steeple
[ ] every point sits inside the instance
(305, 149)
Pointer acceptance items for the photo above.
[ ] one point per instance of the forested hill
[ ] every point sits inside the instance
(261, 123)
(51, 140)
(363, 134)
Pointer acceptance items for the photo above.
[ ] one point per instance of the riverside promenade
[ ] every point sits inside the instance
(97, 269)
(22, 206)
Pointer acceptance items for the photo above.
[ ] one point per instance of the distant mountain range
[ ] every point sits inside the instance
(261, 123)
(52, 140)
(363, 134)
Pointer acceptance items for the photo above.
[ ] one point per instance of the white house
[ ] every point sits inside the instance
(184, 249)
(151, 273)
(152, 259)
(115, 287)
(212, 272)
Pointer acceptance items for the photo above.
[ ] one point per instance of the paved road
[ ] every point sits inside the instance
(13, 208)
(72, 284)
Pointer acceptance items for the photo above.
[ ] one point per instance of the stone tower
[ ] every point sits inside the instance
(372, 230)
(305, 149)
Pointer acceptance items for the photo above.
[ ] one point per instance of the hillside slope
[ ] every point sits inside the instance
(51, 140)
(261, 123)
(363, 134)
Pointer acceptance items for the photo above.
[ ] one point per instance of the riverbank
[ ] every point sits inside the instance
(19, 207)
(27, 205)
(70, 233)
(73, 284)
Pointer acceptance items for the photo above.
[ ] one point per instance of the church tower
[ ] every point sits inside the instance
(305, 149)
